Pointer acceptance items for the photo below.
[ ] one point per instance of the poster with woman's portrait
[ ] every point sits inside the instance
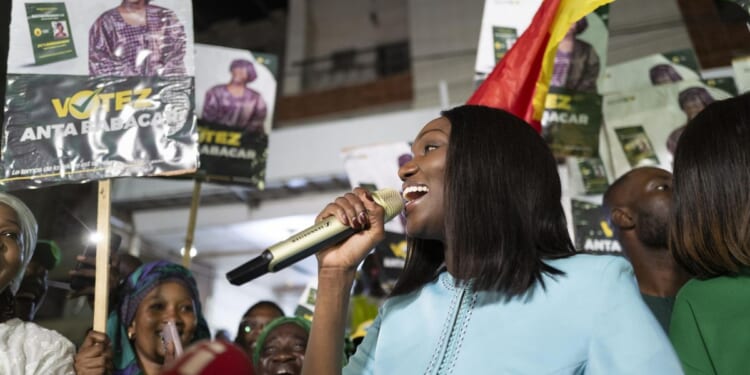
(112, 37)
(651, 70)
(643, 126)
(235, 93)
(98, 89)
(572, 112)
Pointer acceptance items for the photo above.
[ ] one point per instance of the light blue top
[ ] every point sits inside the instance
(592, 320)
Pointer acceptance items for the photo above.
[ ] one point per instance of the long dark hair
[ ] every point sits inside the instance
(502, 207)
(710, 231)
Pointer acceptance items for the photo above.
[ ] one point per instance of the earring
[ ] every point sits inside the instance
(130, 335)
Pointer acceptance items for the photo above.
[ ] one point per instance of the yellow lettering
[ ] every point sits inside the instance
(61, 109)
(122, 98)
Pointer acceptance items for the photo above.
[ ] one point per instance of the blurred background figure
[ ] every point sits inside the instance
(222, 334)
(253, 322)
(33, 289)
(637, 206)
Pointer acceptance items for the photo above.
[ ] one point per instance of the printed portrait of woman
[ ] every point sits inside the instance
(692, 101)
(235, 104)
(576, 62)
(663, 73)
(137, 39)
(60, 32)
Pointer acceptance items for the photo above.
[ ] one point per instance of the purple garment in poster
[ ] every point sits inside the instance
(247, 111)
(157, 48)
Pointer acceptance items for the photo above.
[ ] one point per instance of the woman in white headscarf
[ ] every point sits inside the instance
(25, 348)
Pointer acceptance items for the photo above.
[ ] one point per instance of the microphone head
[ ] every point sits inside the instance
(390, 200)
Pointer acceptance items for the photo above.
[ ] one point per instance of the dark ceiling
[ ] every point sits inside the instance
(207, 12)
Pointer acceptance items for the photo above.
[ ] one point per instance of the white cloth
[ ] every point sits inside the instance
(28, 349)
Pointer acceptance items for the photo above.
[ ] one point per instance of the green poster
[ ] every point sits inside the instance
(726, 84)
(50, 32)
(269, 61)
(503, 38)
(591, 229)
(571, 122)
(684, 57)
(637, 146)
(593, 175)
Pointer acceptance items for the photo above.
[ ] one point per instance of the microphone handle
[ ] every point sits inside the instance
(318, 237)
(285, 253)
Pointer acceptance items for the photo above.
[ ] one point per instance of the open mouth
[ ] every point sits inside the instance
(286, 370)
(414, 192)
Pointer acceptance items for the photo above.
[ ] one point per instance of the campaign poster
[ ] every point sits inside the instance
(592, 230)
(652, 70)
(376, 167)
(643, 126)
(581, 56)
(572, 114)
(120, 104)
(571, 121)
(588, 176)
(503, 21)
(235, 100)
(741, 67)
(49, 31)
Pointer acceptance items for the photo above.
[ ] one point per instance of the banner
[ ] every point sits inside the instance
(98, 90)
(235, 99)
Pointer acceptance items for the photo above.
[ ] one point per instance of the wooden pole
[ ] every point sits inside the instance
(101, 286)
(191, 223)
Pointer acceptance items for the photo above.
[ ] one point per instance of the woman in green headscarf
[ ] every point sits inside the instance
(154, 294)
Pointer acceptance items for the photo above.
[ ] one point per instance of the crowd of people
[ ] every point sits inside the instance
(492, 281)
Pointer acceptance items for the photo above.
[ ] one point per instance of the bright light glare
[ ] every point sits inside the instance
(193, 252)
(94, 237)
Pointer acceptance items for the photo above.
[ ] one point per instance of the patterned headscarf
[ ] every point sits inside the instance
(136, 287)
(302, 322)
(247, 65)
(27, 242)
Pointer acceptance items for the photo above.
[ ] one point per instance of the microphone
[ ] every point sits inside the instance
(309, 241)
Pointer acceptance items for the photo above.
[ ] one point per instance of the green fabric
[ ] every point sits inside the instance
(710, 327)
(363, 309)
(661, 307)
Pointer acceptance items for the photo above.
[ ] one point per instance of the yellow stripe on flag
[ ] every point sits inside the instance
(568, 13)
